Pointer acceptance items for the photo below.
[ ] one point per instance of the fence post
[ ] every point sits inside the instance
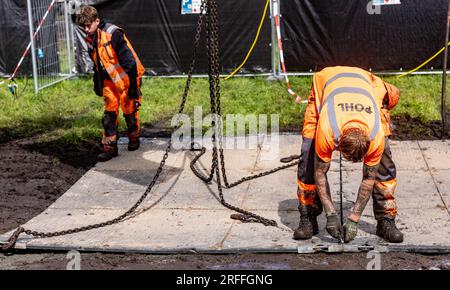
(273, 41)
(276, 68)
(33, 49)
(66, 19)
(281, 36)
(444, 78)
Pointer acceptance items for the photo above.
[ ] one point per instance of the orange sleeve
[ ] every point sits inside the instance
(311, 117)
(386, 93)
(324, 145)
(318, 84)
(375, 151)
(393, 96)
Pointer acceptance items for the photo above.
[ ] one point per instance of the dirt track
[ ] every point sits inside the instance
(33, 176)
(89, 261)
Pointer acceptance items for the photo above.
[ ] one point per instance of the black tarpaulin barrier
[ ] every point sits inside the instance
(14, 36)
(316, 34)
(163, 37)
(321, 33)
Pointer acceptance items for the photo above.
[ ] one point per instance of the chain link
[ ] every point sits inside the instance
(13, 239)
(212, 43)
(212, 47)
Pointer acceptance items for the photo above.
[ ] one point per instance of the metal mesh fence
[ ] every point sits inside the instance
(52, 47)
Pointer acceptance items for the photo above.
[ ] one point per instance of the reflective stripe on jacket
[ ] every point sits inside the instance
(109, 59)
(348, 97)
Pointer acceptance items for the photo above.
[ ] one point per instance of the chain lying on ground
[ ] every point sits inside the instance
(212, 48)
(13, 239)
(244, 179)
(212, 43)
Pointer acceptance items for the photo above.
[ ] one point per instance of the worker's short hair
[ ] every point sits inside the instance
(86, 16)
(354, 144)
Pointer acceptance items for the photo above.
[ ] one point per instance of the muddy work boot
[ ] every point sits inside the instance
(350, 230)
(334, 227)
(133, 140)
(308, 225)
(110, 151)
(387, 230)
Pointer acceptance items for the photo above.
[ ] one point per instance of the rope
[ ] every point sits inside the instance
(254, 42)
(423, 64)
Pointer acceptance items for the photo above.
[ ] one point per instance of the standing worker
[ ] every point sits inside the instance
(348, 110)
(117, 77)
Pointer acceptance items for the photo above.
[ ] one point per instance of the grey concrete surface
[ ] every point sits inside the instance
(183, 214)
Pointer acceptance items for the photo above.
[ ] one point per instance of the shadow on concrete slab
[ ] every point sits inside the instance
(287, 211)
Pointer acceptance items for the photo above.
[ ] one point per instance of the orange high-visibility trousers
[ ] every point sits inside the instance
(130, 107)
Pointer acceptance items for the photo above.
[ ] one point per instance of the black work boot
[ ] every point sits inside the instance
(387, 230)
(133, 140)
(110, 151)
(308, 225)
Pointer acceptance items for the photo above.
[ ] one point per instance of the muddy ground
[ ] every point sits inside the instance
(95, 261)
(33, 175)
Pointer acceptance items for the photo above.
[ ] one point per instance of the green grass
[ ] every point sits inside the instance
(420, 96)
(70, 112)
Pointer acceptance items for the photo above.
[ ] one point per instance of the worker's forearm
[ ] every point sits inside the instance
(364, 192)
(323, 188)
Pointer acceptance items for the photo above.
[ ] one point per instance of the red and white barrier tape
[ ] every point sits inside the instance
(276, 13)
(29, 44)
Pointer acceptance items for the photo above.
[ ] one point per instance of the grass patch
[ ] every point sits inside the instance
(71, 112)
(420, 96)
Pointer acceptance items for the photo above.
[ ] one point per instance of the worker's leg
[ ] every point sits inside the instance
(307, 190)
(384, 205)
(309, 203)
(110, 122)
(130, 108)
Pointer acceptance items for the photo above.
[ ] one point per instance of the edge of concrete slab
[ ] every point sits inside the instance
(301, 249)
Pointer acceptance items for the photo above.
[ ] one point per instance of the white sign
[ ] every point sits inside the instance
(190, 6)
(386, 2)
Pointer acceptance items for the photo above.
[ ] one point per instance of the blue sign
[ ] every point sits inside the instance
(186, 6)
(190, 6)
(386, 2)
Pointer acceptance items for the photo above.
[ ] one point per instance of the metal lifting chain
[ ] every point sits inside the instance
(212, 43)
(13, 239)
(212, 48)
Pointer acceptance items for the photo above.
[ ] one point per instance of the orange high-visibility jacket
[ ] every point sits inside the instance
(344, 98)
(109, 58)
